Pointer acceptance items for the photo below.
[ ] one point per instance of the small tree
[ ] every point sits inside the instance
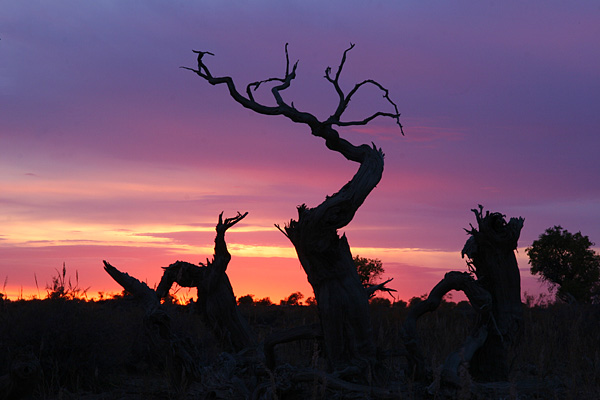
(247, 300)
(567, 262)
(266, 301)
(369, 269)
(292, 300)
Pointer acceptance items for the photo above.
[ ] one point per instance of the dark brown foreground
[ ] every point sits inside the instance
(71, 349)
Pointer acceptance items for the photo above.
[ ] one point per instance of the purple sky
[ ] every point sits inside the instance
(109, 151)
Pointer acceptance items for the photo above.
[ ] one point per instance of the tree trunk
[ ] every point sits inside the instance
(326, 258)
(491, 251)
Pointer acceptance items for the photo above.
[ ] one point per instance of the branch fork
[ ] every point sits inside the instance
(289, 110)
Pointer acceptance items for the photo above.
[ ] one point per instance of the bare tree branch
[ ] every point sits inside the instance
(140, 290)
(480, 299)
(367, 120)
(285, 82)
(229, 222)
(344, 101)
(335, 81)
(282, 230)
(249, 103)
(380, 286)
(289, 110)
(200, 63)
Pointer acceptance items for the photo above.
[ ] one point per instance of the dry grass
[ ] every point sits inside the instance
(95, 349)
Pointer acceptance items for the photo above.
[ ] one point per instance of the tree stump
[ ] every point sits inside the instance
(491, 254)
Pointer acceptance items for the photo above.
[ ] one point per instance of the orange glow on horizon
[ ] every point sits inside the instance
(273, 277)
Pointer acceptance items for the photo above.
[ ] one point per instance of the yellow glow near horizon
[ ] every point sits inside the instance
(57, 233)
(412, 256)
(442, 261)
(50, 232)
(60, 233)
(244, 250)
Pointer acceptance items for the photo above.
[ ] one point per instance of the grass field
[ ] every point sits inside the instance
(98, 349)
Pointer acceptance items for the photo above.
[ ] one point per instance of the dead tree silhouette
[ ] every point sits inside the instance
(216, 305)
(324, 255)
(495, 295)
(216, 301)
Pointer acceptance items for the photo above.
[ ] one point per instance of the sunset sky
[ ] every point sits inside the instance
(108, 150)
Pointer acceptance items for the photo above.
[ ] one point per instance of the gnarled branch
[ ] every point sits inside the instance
(380, 286)
(289, 110)
(134, 286)
(480, 299)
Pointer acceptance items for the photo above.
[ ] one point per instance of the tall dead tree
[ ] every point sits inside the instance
(324, 255)
(495, 295)
(216, 301)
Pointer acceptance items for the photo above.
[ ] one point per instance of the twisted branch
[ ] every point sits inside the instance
(334, 119)
(229, 222)
(479, 298)
(289, 110)
(370, 290)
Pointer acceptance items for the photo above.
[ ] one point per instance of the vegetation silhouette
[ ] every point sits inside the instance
(61, 287)
(369, 269)
(97, 349)
(568, 263)
(293, 299)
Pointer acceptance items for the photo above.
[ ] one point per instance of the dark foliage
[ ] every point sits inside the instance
(246, 300)
(292, 300)
(94, 350)
(380, 302)
(567, 262)
(264, 301)
(369, 269)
